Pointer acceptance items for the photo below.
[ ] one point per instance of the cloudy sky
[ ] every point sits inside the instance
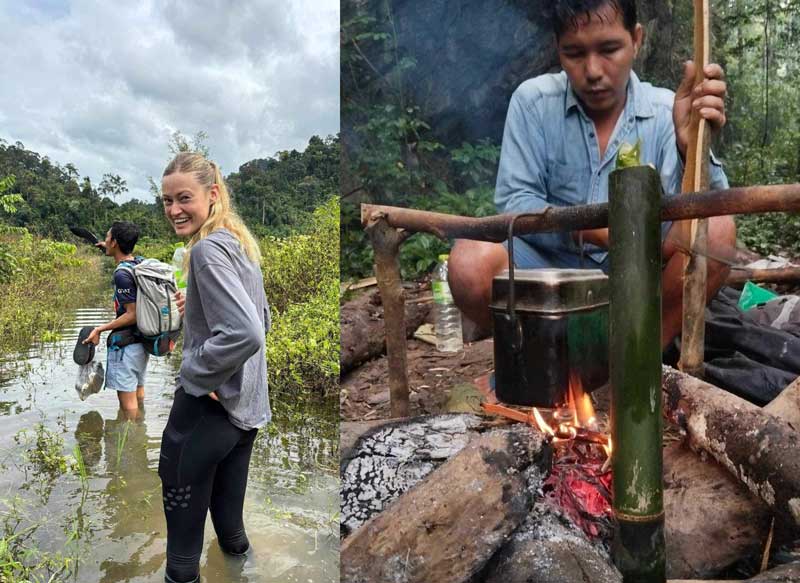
(104, 84)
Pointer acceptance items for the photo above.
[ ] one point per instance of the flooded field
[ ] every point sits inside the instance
(81, 480)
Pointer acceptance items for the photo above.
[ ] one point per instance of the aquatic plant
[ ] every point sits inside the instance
(21, 561)
(43, 451)
(80, 466)
(122, 437)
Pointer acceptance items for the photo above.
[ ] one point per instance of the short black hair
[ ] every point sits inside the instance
(570, 13)
(125, 234)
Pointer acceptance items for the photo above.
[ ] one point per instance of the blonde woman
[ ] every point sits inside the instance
(221, 397)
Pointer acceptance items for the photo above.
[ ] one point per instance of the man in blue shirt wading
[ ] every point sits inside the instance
(561, 139)
(127, 359)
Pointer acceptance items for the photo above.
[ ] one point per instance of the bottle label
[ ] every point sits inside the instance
(441, 293)
(181, 283)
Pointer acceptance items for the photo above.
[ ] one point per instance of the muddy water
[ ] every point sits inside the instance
(114, 520)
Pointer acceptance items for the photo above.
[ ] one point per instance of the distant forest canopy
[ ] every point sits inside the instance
(273, 195)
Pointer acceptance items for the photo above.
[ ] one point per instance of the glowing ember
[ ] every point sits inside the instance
(566, 431)
(581, 489)
(579, 484)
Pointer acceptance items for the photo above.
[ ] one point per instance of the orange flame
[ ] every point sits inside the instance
(584, 410)
(543, 425)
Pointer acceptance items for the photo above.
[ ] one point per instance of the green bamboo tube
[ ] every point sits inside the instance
(635, 372)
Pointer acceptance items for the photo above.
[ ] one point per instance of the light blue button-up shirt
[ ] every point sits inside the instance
(551, 156)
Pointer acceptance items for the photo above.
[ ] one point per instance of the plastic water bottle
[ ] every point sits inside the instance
(177, 264)
(448, 316)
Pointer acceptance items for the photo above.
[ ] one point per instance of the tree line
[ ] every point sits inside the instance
(274, 195)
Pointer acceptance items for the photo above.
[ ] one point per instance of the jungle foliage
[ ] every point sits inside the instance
(391, 156)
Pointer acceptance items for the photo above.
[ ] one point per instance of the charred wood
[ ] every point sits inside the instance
(548, 549)
(392, 458)
(448, 526)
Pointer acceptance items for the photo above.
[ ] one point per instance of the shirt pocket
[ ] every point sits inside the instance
(567, 184)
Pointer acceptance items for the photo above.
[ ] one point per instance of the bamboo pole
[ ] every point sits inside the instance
(635, 373)
(695, 178)
(732, 201)
(386, 243)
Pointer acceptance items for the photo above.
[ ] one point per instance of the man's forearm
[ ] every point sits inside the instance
(126, 319)
(597, 237)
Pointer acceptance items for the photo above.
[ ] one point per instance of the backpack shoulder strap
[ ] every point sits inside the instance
(126, 266)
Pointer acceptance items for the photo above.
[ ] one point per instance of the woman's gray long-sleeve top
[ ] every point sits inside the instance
(225, 322)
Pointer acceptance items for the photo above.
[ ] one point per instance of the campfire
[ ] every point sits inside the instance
(579, 484)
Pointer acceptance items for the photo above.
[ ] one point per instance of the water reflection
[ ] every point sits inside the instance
(114, 515)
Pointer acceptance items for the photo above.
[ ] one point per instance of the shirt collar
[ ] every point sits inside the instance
(637, 100)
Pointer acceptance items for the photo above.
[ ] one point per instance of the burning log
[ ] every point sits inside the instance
(363, 329)
(449, 525)
(757, 448)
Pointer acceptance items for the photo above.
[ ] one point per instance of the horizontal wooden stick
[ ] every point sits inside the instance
(774, 275)
(734, 201)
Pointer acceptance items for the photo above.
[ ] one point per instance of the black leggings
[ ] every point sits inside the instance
(203, 465)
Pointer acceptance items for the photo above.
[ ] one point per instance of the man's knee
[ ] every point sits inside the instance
(471, 267)
(722, 231)
(721, 243)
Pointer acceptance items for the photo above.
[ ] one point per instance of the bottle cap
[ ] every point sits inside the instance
(443, 257)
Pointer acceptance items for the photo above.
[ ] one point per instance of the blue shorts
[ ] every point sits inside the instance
(527, 256)
(126, 367)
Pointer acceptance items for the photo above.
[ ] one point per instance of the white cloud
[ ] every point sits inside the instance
(103, 85)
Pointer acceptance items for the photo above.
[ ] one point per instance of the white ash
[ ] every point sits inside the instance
(392, 460)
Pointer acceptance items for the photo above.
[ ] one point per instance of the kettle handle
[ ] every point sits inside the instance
(511, 308)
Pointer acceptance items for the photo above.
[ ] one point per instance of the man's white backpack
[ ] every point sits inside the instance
(157, 316)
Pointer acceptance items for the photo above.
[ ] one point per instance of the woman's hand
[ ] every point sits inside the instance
(180, 301)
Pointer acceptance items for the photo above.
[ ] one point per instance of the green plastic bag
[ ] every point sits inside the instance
(752, 295)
